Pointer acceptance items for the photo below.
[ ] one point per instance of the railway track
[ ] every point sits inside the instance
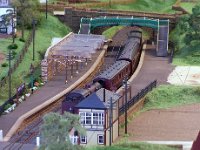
(29, 130)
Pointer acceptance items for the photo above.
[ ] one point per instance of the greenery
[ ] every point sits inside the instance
(27, 10)
(186, 38)
(48, 29)
(109, 33)
(4, 65)
(55, 131)
(146, 6)
(13, 46)
(133, 146)
(4, 43)
(188, 6)
(166, 96)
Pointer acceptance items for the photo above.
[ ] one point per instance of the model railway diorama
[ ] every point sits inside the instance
(96, 73)
(110, 79)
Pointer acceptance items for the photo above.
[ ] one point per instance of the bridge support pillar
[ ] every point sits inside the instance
(162, 40)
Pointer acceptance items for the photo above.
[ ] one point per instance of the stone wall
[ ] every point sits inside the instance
(73, 16)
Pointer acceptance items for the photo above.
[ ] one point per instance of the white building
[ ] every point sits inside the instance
(95, 113)
(4, 6)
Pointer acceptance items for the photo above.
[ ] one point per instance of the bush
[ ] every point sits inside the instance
(7, 106)
(13, 46)
(14, 53)
(22, 40)
(4, 65)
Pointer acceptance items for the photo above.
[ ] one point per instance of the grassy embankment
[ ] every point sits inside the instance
(158, 6)
(133, 146)
(167, 96)
(4, 43)
(188, 6)
(48, 29)
(146, 5)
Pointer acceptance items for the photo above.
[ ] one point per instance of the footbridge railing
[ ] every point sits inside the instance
(115, 21)
(161, 26)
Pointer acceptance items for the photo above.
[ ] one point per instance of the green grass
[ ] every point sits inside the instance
(109, 33)
(48, 29)
(188, 55)
(133, 146)
(167, 96)
(4, 49)
(188, 6)
(146, 5)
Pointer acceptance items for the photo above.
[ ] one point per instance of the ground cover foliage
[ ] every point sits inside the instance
(4, 43)
(166, 96)
(47, 29)
(133, 146)
(146, 5)
(186, 39)
(188, 6)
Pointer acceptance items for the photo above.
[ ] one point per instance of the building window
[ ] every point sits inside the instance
(83, 139)
(89, 118)
(98, 118)
(100, 139)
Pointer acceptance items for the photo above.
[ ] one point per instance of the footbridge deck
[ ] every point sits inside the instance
(160, 26)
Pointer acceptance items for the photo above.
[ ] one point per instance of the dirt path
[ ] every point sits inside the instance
(175, 124)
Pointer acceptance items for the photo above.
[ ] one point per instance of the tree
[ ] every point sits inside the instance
(190, 25)
(27, 10)
(55, 131)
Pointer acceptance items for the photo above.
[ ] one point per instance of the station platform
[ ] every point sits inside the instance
(50, 89)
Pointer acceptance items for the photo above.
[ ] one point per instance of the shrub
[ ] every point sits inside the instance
(4, 65)
(13, 46)
(22, 40)
(14, 53)
(7, 106)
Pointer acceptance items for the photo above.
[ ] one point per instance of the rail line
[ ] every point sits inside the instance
(29, 127)
(32, 124)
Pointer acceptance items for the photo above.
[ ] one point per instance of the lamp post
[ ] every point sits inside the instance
(33, 36)
(125, 84)
(31, 72)
(13, 32)
(46, 9)
(9, 72)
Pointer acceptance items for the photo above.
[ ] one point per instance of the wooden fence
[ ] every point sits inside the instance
(18, 60)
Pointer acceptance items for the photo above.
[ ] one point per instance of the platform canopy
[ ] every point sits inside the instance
(80, 45)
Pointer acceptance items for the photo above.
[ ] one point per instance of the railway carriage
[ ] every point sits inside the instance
(111, 78)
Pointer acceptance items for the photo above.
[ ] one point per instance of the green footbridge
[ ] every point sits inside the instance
(160, 26)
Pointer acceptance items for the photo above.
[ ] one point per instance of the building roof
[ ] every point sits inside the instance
(91, 102)
(79, 45)
(114, 69)
(96, 100)
(130, 49)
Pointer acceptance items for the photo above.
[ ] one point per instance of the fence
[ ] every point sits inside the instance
(172, 47)
(18, 60)
(136, 98)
